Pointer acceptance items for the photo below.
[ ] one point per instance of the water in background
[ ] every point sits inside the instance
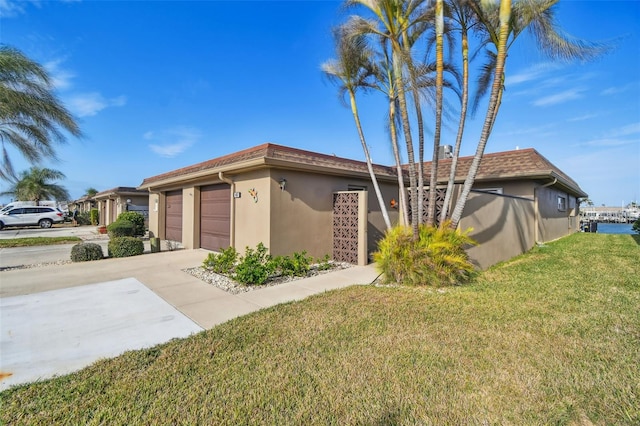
(615, 228)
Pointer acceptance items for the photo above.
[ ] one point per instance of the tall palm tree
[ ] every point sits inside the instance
(393, 22)
(38, 184)
(462, 14)
(386, 84)
(502, 25)
(352, 70)
(32, 118)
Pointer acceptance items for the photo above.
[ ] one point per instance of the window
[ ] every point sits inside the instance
(562, 204)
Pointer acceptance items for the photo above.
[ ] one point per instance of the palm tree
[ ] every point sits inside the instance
(90, 192)
(394, 21)
(502, 28)
(36, 184)
(460, 13)
(353, 70)
(32, 118)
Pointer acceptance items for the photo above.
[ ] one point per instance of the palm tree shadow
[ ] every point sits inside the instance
(636, 238)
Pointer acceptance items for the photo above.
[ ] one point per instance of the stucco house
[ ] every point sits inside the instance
(111, 202)
(293, 200)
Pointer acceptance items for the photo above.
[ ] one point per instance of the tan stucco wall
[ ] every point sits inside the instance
(503, 227)
(252, 215)
(523, 189)
(154, 217)
(298, 218)
(551, 222)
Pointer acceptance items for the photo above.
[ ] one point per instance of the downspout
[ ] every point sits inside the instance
(537, 210)
(232, 224)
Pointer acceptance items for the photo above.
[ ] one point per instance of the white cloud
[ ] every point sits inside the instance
(89, 104)
(534, 72)
(627, 130)
(565, 96)
(11, 9)
(60, 78)
(583, 117)
(171, 142)
(619, 89)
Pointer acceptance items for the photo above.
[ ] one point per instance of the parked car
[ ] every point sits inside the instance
(42, 216)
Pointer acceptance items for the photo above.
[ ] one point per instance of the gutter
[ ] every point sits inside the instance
(232, 221)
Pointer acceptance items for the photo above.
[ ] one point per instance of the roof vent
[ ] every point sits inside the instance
(445, 151)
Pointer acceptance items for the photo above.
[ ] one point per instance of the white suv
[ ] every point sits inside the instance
(42, 216)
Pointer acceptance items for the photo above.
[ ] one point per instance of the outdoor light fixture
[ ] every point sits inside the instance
(283, 184)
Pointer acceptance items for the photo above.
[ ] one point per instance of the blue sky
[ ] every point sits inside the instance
(158, 85)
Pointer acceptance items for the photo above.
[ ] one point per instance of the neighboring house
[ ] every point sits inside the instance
(293, 200)
(112, 202)
(83, 204)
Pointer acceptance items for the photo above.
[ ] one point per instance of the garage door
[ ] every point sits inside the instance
(173, 216)
(215, 216)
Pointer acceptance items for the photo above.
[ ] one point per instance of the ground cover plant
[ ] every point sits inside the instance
(551, 337)
(37, 241)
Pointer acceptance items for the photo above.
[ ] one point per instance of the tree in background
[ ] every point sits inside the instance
(90, 192)
(38, 184)
(32, 118)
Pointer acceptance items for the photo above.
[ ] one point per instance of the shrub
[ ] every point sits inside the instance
(254, 267)
(125, 246)
(436, 258)
(223, 262)
(94, 216)
(297, 265)
(121, 228)
(86, 251)
(138, 222)
(636, 226)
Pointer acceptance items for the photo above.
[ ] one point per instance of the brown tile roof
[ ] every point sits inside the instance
(272, 154)
(120, 190)
(508, 165)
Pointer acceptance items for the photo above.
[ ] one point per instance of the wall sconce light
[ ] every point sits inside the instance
(283, 184)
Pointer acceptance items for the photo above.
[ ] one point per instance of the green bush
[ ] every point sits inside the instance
(138, 222)
(94, 217)
(436, 258)
(84, 252)
(254, 267)
(222, 263)
(636, 226)
(298, 265)
(121, 228)
(125, 246)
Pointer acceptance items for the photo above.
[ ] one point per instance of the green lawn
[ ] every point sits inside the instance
(37, 241)
(552, 337)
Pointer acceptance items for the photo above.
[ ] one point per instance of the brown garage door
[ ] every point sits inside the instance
(215, 216)
(173, 216)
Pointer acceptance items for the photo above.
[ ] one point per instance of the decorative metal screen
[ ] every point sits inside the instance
(440, 194)
(345, 227)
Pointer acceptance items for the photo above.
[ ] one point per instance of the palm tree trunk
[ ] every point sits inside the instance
(433, 182)
(492, 111)
(374, 180)
(463, 118)
(406, 127)
(402, 196)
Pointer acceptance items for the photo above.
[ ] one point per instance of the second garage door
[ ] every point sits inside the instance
(173, 216)
(215, 216)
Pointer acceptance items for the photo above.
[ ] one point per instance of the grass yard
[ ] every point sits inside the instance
(551, 337)
(37, 241)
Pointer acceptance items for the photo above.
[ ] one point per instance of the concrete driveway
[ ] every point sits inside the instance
(63, 317)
